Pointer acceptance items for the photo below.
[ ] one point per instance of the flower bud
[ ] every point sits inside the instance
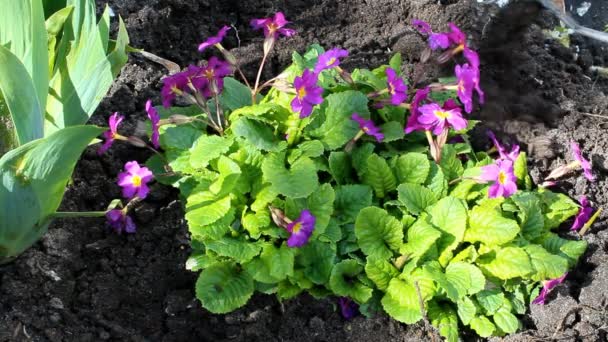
(137, 142)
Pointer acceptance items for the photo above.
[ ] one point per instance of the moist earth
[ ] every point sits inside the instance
(82, 282)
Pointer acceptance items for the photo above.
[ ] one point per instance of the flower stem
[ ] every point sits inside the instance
(590, 222)
(254, 92)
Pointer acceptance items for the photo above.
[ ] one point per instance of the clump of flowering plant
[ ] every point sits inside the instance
(325, 184)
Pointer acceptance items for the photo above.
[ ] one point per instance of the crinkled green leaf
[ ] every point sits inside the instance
(207, 148)
(223, 287)
(483, 326)
(379, 234)
(179, 138)
(392, 131)
(215, 230)
(380, 272)
(379, 176)
(449, 215)
(359, 158)
(529, 214)
(547, 265)
(413, 168)
(416, 198)
(490, 300)
(466, 278)
(570, 249)
(279, 261)
(203, 208)
(507, 263)
(300, 180)
(254, 223)
(557, 208)
(317, 258)
(311, 149)
(520, 169)
(437, 182)
(489, 226)
(338, 127)
(229, 175)
(266, 195)
(466, 310)
(506, 321)
(272, 112)
(235, 94)
(321, 205)
(444, 318)
(343, 281)
(450, 164)
(258, 133)
(433, 270)
(401, 301)
(234, 248)
(339, 166)
(350, 199)
(197, 262)
(421, 236)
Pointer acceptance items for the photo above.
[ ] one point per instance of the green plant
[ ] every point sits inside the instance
(296, 196)
(53, 74)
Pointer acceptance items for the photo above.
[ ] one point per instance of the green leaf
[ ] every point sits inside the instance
(321, 205)
(338, 127)
(450, 164)
(317, 258)
(339, 166)
(395, 62)
(449, 215)
(207, 148)
(265, 196)
(570, 249)
(416, 198)
(380, 272)
(343, 281)
(490, 300)
(434, 271)
(350, 199)
(487, 225)
(223, 287)
(19, 93)
(197, 262)
(506, 321)
(547, 265)
(239, 250)
(279, 261)
(379, 234)
(203, 208)
(229, 176)
(437, 182)
(413, 168)
(557, 208)
(483, 326)
(300, 180)
(359, 158)
(259, 134)
(401, 301)
(179, 137)
(23, 29)
(379, 176)
(444, 318)
(215, 230)
(421, 236)
(254, 223)
(311, 149)
(507, 263)
(466, 310)
(33, 178)
(530, 214)
(520, 169)
(392, 131)
(466, 278)
(272, 112)
(235, 94)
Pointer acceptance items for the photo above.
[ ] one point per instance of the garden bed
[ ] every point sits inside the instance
(82, 282)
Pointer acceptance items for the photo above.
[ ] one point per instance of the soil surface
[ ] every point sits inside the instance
(82, 282)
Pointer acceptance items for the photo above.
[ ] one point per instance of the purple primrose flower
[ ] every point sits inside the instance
(368, 127)
(134, 181)
(308, 94)
(175, 85)
(273, 27)
(213, 75)
(435, 118)
(581, 161)
(396, 87)
(154, 119)
(412, 121)
(501, 173)
(217, 39)
(457, 37)
(583, 215)
(512, 156)
(330, 59)
(111, 134)
(301, 229)
(120, 221)
(436, 40)
(548, 285)
(348, 308)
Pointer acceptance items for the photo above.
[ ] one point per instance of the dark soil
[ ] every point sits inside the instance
(84, 283)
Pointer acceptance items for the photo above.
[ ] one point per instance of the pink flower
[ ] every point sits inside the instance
(120, 221)
(396, 87)
(213, 75)
(134, 181)
(111, 134)
(412, 121)
(583, 215)
(330, 59)
(581, 161)
(217, 39)
(437, 119)
(308, 94)
(273, 27)
(176, 85)
(154, 119)
(436, 40)
(512, 156)
(547, 287)
(368, 127)
(501, 173)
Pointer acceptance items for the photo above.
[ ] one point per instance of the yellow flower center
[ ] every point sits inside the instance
(461, 86)
(331, 61)
(136, 181)
(296, 228)
(272, 27)
(442, 114)
(301, 93)
(502, 177)
(209, 74)
(365, 129)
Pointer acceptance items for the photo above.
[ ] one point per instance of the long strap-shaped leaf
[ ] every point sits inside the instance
(19, 95)
(32, 183)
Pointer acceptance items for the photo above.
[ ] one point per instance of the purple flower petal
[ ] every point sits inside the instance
(368, 127)
(273, 27)
(585, 164)
(583, 215)
(422, 26)
(120, 221)
(134, 180)
(412, 121)
(215, 39)
(301, 229)
(396, 87)
(439, 41)
(547, 287)
(111, 134)
(154, 119)
(330, 59)
(348, 308)
(501, 173)
(308, 94)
